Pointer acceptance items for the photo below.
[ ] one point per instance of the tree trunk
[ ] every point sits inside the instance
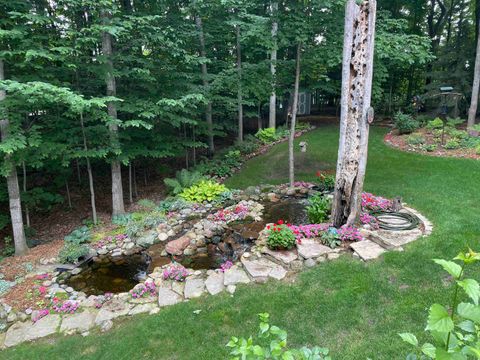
(130, 183)
(291, 160)
(19, 238)
(259, 116)
(27, 212)
(355, 111)
(273, 68)
(135, 181)
(89, 172)
(206, 85)
(239, 91)
(472, 112)
(69, 198)
(118, 206)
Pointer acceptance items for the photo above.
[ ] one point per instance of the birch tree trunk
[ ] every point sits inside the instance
(27, 212)
(239, 91)
(118, 206)
(89, 172)
(291, 159)
(472, 112)
(19, 238)
(206, 85)
(356, 113)
(273, 68)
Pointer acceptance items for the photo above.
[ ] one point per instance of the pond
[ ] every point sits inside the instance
(115, 275)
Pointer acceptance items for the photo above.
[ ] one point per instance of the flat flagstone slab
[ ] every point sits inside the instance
(310, 249)
(194, 288)
(263, 268)
(214, 283)
(235, 275)
(45, 326)
(79, 322)
(399, 238)
(17, 333)
(167, 297)
(284, 256)
(367, 250)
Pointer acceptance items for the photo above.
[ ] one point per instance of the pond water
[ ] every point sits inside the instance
(115, 275)
(291, 211)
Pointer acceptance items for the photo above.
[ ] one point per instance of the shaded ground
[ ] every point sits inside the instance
(355, 309)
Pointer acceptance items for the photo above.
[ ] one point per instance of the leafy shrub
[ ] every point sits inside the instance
(205, 190)
(172, 204)
(405, 123)
(4, 221)
(454, 122)
(429, 148)
(331, 238)
(134, 228)
(299, 126)
(272, 344)
(121, 219)
(423, 120)
(415, 139)
(282, 131)
(477, 150)
(183, 179)
(8, 249)
(41, 200)
(476, 127)
(326, 182)
(79, 236)
(280, 236)
(454, 330)
(318, 209)
(452, 144)
(233, 158)
(146, 204)
(437, 123)
(470, 142)
(249, 145)
(71, 252)
(267, 135)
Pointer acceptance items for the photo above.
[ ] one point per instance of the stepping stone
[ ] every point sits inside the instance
(17, 333)
(367, 250)
(194, 288)
(214, 283)
(261, 269)
(234, 276)
(79, 322)
(167, 297)
(45, 326)
(310, 249)
(284, 256)
(400, 238)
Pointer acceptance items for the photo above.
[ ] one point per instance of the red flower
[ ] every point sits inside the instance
(318, 173)
(299, 242)
(268, 227)
(55, 299)
(289, 225)
(280, 222)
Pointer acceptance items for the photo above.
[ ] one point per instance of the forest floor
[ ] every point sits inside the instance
(356, 309)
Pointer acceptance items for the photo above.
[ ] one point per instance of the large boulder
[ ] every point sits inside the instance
(176, 247)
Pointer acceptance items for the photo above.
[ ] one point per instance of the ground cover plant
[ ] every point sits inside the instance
(381, 298)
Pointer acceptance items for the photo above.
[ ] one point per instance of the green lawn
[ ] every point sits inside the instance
(353, 308)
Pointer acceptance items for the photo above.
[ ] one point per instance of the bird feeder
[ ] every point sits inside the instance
(303, 146)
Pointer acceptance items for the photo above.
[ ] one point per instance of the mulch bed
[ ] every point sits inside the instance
(397, 141)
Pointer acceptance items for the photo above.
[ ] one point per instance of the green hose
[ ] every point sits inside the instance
(411, 221)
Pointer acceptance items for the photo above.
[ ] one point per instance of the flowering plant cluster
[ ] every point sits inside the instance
(42, 276)
(175, 272)
(371, 202)
(349, 233)
(100, 300)
(143, 290)
(226, 265)
(110, 240)
(280, 236)
(232, 213)
(308, 231)
(67, 307)
(40, 314)
(368, 219)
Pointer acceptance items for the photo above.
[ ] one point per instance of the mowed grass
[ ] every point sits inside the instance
(356, 309)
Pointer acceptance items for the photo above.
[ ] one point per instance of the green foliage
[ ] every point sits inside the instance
(457, 134)
(205, 190)
(40, 199)
(415, 139)
(121, 219)
(72, 252)
(233, 158)
(452, 144)
(326, 183)
(405, 123)
(429, 147)
(147, 204)
(183, 179)
(477, 150)
(455, 334)
(172, 204)
(437, 123)
(280, 236)
(318, 208)
(267, 135)
(4, 220)
(470, 142)
(249, 145)
(331, 238)
(8, 248)
(454, 122)
(79, 236)
(271, 343)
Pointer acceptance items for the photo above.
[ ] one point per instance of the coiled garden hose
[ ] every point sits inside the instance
(407, 221)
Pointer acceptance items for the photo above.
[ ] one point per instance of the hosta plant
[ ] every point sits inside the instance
(454, 330)
(318, 209)
(271, 343)
(205, 190)
(280, 236)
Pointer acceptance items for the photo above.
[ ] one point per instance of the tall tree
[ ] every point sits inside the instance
(291, 138)
(239, 90)
(472, 112)
(118, 206)
(11, 175)
(272, 117)
(357, 76)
